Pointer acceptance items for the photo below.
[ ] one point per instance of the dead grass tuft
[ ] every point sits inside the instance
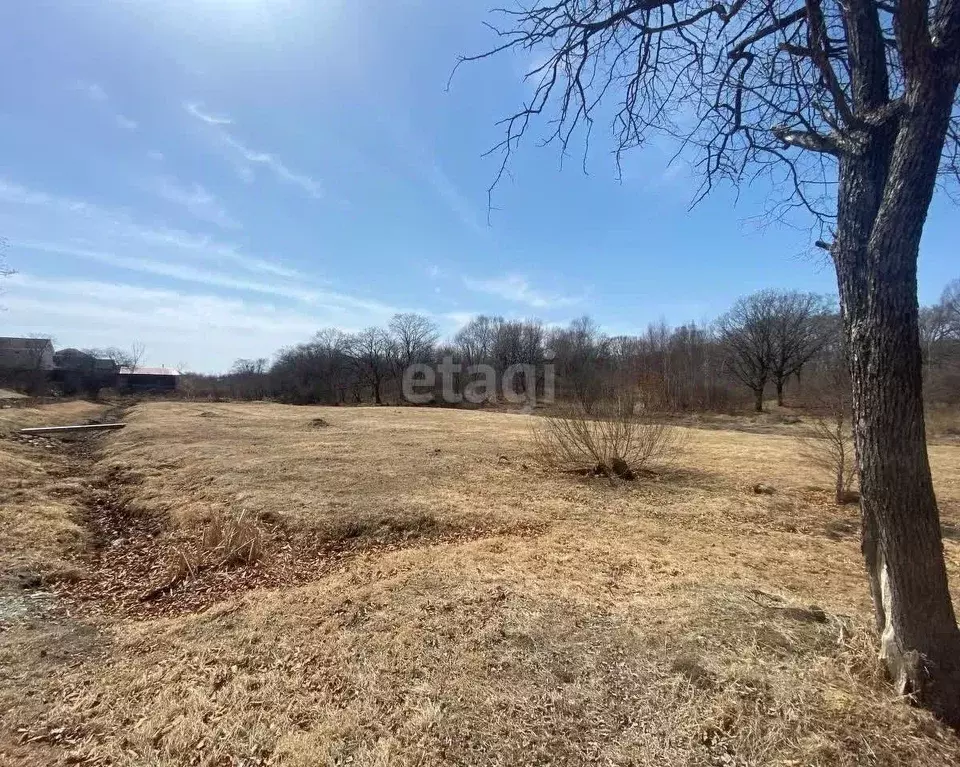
(229, 540)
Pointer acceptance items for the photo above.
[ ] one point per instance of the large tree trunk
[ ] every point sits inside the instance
(920, 642)
(884, 196)
(758, 400)
(779, 392)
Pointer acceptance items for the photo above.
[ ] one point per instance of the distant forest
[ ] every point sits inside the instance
(785, 345)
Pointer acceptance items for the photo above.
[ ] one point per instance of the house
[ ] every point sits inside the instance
(25, 363)
(139, 379)
(77, 371)
(26, 354)
(76, 360)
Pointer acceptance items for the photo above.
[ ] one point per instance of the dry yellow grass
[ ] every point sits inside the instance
(662, 622)
(38, 492)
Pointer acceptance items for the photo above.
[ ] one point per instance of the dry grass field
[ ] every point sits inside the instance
(427, 596)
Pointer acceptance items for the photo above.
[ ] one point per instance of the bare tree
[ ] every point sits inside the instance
(474, 344)
(748, 334)
(317, 371)
(414, 336)
(370, 351)
(935, 328)
(116, 355)
(475, 340)
(799, 332)
(248, 378)
(950, 308)
(137, 351)
(850, 106)
(580, 349)
(245, 367)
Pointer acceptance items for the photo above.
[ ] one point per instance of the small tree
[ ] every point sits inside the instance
(827, 441)
(137, 351)
(828, 445)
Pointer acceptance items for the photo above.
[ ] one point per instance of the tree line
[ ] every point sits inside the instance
(767, 344)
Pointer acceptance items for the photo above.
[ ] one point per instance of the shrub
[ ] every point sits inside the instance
(613, 439)
(827, 443)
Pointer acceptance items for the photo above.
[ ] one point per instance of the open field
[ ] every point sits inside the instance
(428, 596)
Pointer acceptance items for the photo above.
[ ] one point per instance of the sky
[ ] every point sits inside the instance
(217, 179)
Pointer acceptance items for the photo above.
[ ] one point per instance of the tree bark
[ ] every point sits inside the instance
(779, 392)
(758, 400)
(883, 200)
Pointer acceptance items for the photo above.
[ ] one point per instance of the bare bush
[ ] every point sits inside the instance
(827, 443)
(612, 439)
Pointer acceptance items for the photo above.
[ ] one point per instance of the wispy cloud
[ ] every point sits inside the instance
(178, 271)
(330, 300)
(191, 296)
(206, 332)
(423, 162)
(450, 194)
(210, 119)
(197, 201)
(458, 319)
(247, 158)
(276, 165)
(93, 91)
(96, 92)
(516, 288)
(32, 216)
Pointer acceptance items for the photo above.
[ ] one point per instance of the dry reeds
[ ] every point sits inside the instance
(233, 540)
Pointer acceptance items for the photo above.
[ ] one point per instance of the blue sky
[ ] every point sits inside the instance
(219, 178)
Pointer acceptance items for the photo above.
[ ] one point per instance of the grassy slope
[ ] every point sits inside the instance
(662, 622)
(38, 495)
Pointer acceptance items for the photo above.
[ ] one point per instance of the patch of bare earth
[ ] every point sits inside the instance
(425, 596)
